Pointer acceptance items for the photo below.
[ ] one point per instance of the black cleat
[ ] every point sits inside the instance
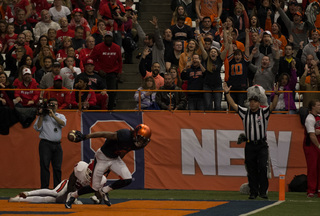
(263, 196)
(252, 196)
(105, 197)
(70, 200)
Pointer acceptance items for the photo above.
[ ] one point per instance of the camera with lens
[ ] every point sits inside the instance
(43, 108)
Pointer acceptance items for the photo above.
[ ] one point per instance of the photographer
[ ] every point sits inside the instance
(49, 124)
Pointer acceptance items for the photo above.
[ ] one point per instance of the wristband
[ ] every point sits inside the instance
(226, 93)
(277, 93)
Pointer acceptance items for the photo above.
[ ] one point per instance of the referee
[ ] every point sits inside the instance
(255, 122)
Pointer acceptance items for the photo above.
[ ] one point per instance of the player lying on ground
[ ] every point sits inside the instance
(108, 157)
(80, 177)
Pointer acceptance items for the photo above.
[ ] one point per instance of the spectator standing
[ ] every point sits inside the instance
(314, 84)
(175, 76)
(286, 82)
(155, 70)
(195, 77)
(297, 28)
(22, 5)
(180, 31)
(209, 7)
(88, 99)
(255, 122)
(265, 74)
(172, 59)
(95, 83)
(13, 57)
(20, 23)
(114, 13)
(311, 147)
(179, 11)
(153, 42)
(171, 100)
(147, 98)
(108, 61)
(212, 79)
(50, 150)
(59, 11)
(285, 65)
(21, 41)
(311, 47)
(46, 68)
(44, 25)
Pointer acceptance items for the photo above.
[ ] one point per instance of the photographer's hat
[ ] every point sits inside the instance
(26, 71)
(57, 77)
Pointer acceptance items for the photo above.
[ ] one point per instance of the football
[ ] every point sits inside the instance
(72, 136)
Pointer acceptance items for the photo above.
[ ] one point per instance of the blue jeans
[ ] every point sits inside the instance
(239, 98)
(210, 97)
(195, 102)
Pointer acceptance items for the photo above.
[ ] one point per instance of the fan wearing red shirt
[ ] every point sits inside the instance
(108, 61)
(77, 20)
(85, 52)
(63, 97)
(27, 98)
(65, 31)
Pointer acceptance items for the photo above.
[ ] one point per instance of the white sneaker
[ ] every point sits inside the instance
(14, 199)
(77, 202)
(95, 199)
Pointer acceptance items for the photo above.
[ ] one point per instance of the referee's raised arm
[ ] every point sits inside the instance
(228, 97)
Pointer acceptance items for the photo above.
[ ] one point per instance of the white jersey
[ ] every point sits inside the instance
(83, 172)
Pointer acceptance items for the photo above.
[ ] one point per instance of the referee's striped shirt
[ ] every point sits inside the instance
(255, 123)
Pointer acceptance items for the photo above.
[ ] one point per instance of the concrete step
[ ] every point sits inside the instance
(129, 85)
(126, 104)
(147, 2)
(155, 7)
(159, 14)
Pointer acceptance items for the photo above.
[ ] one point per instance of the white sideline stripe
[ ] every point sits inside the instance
(263, 208)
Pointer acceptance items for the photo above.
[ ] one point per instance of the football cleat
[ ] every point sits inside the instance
(14, 199)
(105, 197)
(95, 199)
(23, 195)
(70, 200)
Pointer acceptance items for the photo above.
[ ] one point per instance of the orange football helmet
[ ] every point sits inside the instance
(141, 135)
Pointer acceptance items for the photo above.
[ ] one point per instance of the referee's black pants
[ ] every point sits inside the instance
(256, 160)
(50, 152)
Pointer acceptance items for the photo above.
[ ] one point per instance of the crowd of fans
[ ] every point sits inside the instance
(257, 42)
(82, 45)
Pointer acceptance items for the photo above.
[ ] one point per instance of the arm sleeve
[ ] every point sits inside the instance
(142, 67)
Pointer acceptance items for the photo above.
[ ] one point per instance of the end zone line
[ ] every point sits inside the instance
(261, 209)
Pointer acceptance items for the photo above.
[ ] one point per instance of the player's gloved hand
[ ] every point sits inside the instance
(79, 136)
(242, 138)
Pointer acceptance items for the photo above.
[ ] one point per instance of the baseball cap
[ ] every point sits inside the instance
(77, 10)
(89, 61)
(57, 77)
(108, 33)
(256, 98)
(293, 3)
(56, 64)
(298, 13)
(26, 71)
(89, 8)
(267, 32)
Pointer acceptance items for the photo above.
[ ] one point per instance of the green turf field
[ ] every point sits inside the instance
(295, 204)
